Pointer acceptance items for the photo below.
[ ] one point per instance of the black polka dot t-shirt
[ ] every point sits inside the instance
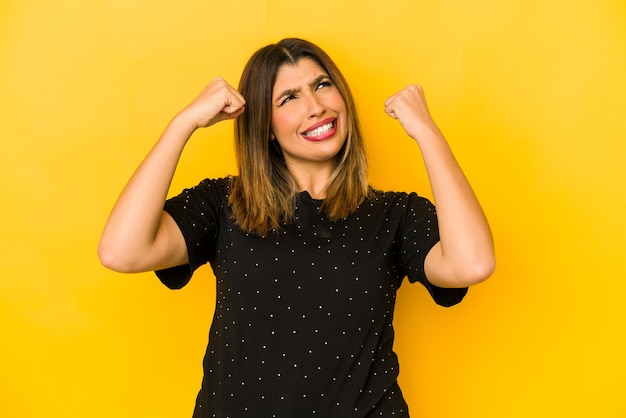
(303, 318)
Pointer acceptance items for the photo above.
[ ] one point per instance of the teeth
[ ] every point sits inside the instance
(320, 131)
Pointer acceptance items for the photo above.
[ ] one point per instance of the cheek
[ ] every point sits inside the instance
(283, 122)
(339, 104)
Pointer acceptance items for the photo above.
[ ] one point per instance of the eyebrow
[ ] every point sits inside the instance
(289, 92)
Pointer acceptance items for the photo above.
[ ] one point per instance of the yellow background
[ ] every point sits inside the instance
(531, 95)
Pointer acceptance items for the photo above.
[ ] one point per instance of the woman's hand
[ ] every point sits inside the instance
(218, 101)
(139, 236)
(465, 253)
(409, 107)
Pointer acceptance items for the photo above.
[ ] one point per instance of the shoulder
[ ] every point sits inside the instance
(397, 207)
(207, 193)
(215, 187)
(397, 199)
(221, 184)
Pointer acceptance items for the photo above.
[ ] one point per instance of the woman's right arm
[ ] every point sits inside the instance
(139, 236)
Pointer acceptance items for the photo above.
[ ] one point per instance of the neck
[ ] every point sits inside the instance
(313, 180)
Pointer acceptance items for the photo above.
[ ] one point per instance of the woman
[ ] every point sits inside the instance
(307, 257)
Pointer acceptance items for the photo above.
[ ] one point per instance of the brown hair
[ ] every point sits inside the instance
(264, 193)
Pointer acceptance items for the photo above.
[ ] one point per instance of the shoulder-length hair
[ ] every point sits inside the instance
(264, 193)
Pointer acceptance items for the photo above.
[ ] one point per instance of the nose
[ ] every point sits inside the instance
(316, 107)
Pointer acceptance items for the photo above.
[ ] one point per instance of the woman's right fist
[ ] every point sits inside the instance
(218, 101)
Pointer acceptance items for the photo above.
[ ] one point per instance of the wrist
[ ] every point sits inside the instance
(427, 133)
(183, 124)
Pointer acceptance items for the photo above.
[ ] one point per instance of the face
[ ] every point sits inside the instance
(309, 117)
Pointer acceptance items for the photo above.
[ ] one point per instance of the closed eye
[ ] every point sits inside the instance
(286, 99)
(320, 83)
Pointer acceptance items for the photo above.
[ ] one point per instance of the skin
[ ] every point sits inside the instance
(303, 99)
(465, 254)
(140, 236)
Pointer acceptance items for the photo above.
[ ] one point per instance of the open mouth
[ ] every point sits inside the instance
(320, 132)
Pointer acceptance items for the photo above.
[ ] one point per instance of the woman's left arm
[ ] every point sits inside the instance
(465, 254)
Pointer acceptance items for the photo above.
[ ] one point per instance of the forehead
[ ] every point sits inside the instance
(294, 76)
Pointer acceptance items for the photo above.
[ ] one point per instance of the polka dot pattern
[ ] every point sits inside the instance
(303, 318)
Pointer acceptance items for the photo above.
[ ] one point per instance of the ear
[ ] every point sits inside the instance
(272, 136)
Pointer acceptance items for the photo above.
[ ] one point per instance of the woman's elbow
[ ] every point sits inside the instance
(478, 271)
(462, 273)
(113, 259)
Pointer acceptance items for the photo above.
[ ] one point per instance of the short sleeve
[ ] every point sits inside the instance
(419, 232)
(197, 212)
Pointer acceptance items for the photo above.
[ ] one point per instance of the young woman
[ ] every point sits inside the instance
(307, 256)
